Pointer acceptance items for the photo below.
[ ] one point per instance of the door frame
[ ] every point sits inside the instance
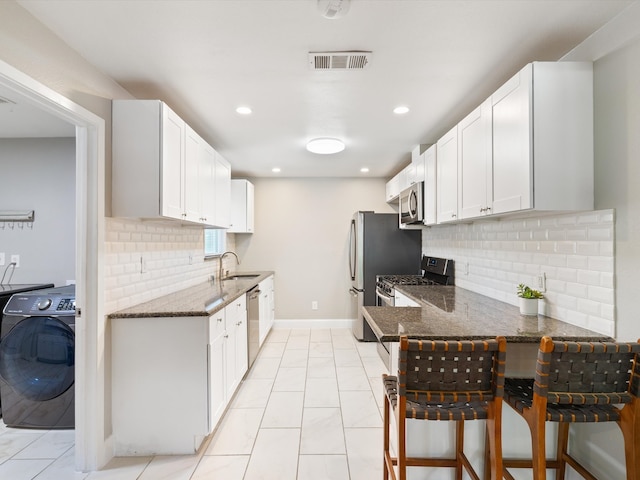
(91, 442)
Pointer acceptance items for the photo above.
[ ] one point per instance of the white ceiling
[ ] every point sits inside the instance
(205, 58)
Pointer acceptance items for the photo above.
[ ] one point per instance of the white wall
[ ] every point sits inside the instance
(39, 174)
(302, 233)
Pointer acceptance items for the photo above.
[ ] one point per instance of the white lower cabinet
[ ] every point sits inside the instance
(266, 308)
(173, 377)
(401, 300)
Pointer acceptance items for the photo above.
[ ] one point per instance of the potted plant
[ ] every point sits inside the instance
(528, 300)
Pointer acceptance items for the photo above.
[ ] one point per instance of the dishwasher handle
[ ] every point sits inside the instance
(254, 293)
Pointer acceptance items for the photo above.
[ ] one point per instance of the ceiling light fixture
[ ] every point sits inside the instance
(325, 146)
(275, 169)
(401, 110)
(243, 110)
(364, 170)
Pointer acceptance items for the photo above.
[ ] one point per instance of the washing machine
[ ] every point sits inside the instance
(37, 359)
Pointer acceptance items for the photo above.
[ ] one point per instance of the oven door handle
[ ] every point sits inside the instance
(383, 296)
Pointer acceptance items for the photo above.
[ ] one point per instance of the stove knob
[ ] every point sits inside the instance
(44, 304)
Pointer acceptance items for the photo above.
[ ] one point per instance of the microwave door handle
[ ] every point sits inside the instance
(352, 250)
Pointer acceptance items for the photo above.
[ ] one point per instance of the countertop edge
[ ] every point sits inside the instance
(429, 322)
(201, 306)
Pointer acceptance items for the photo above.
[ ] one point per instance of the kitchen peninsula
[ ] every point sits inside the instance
(449, 312)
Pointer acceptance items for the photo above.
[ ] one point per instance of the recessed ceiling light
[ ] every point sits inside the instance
(243, 110)
(275, 169)
(401, 110)
(364, 170)
(325, 146)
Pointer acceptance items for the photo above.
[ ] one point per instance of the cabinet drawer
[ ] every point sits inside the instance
(217, 325)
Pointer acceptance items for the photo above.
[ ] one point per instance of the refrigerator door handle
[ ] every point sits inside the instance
(352, 250)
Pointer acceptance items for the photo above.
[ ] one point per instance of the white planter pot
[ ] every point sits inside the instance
(528, 306)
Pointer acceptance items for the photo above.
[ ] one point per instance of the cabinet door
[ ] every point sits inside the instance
(173, 136)
(192, 154)
(512, 148)
(447, 173)
(266, 307)
(222, 191)
(207, 179)
(250, 208)
(474, 141)
(241, 346)
(393, 189)
(217, 388)
(430, 186)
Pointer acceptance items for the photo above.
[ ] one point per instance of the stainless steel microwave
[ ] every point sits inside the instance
(412, 204)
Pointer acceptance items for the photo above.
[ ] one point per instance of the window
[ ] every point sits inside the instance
(215, 241)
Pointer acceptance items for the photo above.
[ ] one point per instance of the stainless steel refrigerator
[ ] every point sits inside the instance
(378, 247)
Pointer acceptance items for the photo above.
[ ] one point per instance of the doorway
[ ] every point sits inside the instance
(90, 439)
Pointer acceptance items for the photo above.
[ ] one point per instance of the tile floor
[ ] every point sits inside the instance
(309, 409)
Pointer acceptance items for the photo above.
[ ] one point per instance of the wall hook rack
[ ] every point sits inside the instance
(17, 215)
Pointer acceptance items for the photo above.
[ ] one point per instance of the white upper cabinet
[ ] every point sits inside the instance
(430, 186)
(474, 149)
(242, 206)
(162, 168)
(171, 138)
(447, 177)
(222, 192)
(528, 147)
(542, 131)
(412, 173)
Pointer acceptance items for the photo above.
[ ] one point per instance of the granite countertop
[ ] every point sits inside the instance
(448, 312)
(200, 300)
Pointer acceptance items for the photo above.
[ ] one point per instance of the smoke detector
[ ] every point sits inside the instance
(333, 9)
(339, 60)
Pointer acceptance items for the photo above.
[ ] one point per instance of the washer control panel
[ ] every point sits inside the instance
(51, 302)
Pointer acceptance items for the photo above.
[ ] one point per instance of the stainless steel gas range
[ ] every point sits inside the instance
(437, 271)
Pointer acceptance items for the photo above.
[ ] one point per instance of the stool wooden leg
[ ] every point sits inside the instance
(537, 427)
(563, 440)
(493, 447)
(402, 436)
(385, 472)
(459, 448)
(630, 425)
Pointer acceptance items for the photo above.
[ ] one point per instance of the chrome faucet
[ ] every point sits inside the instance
(220, 260)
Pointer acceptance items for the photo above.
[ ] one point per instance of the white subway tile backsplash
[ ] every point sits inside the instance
(574, 251)
(165, 250)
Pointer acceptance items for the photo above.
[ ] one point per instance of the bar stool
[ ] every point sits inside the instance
(446, 381)
(578, 382)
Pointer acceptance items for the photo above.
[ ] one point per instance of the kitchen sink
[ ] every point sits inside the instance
(241, 276)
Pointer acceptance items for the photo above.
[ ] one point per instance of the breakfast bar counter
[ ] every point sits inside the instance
(449, 312)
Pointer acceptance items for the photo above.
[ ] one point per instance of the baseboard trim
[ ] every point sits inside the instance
(313, 323)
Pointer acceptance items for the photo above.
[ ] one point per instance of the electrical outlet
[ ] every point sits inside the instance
(15, 259)
(314, 305)
(1, 259)
(542, 282)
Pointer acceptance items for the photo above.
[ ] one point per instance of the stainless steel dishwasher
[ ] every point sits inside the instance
(253, 317)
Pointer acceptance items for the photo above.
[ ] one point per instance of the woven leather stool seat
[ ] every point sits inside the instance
(577, 382)
(446, 381)
(437, 409)
(518, 393)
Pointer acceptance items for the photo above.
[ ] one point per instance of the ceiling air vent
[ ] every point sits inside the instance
(339, 60)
